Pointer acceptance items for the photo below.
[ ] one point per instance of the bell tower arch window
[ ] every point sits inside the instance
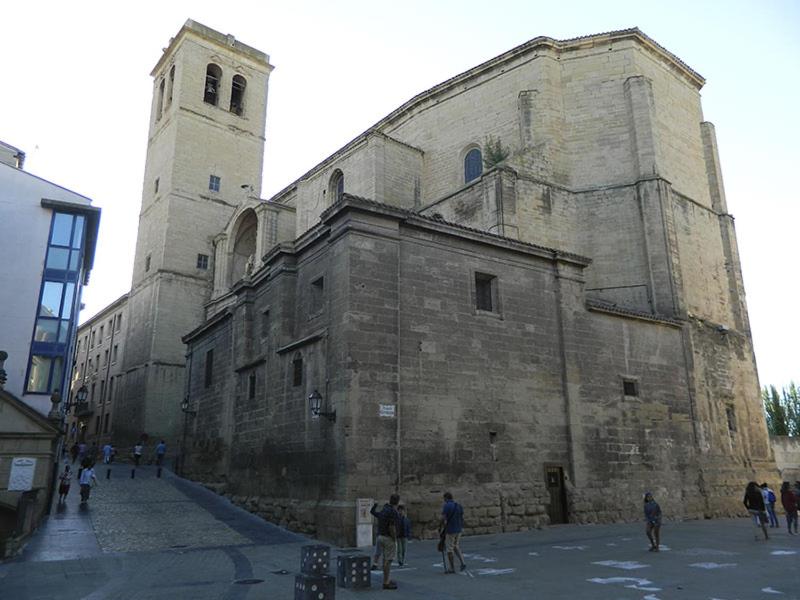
(473, 165)
(213, 78)
(170, 85)
(336, 186)
(237, 94)
(160, 107)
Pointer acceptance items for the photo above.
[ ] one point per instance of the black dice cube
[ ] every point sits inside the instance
(315, 560)
(352, 571)
(314, 587)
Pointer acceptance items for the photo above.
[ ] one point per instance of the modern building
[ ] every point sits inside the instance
(47, 236)
(99, 354)
(522, 285)
(51, 234)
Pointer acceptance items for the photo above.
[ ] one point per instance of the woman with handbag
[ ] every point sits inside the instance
(754, 502)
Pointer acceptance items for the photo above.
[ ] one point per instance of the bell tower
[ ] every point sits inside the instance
(205, 153)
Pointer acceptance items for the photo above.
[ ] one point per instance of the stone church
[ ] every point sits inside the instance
(521, 286)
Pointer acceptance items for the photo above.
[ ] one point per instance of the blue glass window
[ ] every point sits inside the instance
(58, 298)
(473, 165)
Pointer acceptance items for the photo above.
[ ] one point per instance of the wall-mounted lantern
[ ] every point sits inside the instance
(315, 404)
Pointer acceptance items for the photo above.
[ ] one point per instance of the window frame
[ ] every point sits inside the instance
(469, 162)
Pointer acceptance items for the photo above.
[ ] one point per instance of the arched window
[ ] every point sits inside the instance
(237, 94)
(160, 107)
(244, 247)
(473, 165)
(213, 77)
(336, 186)
(170, 85)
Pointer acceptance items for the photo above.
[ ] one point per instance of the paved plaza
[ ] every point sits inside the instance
(169, 538)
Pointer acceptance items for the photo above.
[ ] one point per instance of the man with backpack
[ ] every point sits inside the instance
(452, 525)
(769, 503)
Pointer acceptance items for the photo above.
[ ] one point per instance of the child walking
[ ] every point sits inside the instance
(64, 481)
(652, 514)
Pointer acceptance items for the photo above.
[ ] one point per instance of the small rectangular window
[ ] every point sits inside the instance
(101, 333)
(485, 292)
(146, 263)
(213, 183)
(202, 261)
(116, 352)
(265, 324)
(297, 371)
(105, 424)
(209, 368)
(119, 322)
(251, 386)
(630, 387)
(317, 295)
(730, 413)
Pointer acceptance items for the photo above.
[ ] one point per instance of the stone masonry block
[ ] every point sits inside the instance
(314, 587)
(315, 559)
(353, 571)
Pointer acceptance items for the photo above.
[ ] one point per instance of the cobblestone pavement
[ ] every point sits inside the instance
(151, 538)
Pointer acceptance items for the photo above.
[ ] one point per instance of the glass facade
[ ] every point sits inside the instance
(58, 297)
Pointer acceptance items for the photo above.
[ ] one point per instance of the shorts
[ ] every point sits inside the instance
(388, 546)
(63, 490)
(451, 541)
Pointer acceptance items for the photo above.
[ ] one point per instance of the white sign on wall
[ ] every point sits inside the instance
(363, 522)
(386, 410)
(21, 477)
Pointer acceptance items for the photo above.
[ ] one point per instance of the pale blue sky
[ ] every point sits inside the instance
(76, 98)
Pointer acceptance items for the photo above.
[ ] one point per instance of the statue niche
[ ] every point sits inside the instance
(244, 246)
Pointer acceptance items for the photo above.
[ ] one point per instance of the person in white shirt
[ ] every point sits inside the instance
(137, 453)
(107, 453)
(86, 481)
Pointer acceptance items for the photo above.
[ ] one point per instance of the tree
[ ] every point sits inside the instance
(782, 410)
(494, 152)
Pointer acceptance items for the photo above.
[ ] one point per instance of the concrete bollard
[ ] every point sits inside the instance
(133, 473)
(108, 473)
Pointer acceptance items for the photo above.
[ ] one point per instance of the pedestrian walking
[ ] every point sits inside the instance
(107, 450)
(388, 526)
(81, 452)
(86, 481)
(789, 502)
(137, 453)
(652, 516)
(64, 481)
(161, 450)
(73, 452)
(403, 533)
(452, 525)
(769, 504)
(754, 503)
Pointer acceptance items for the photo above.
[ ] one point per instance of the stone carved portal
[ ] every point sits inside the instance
(244, 246)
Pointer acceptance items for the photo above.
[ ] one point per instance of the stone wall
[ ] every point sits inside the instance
(787, 456)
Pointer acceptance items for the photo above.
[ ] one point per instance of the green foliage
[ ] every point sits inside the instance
(782, 410)
(494, 152)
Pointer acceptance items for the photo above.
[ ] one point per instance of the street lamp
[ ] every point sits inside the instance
(315, 404)
(185, 407)
(80, 399)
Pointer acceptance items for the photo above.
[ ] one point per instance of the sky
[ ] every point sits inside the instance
(76, 91)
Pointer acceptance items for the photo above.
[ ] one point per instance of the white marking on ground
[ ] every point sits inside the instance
(533, 554)
(783, 552)
(769, 590)
(628, 565)
(664, 548)
(709, 551)
(480, 558)
(570, 547)
(611, 544)
(493, 571)
(629, 580)
(712, 565)
(650, 597)
(643, 588)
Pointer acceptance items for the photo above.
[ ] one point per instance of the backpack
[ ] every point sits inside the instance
(771, 496)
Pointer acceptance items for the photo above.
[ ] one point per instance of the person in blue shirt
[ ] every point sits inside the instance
(161, 450)
(452, 525)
